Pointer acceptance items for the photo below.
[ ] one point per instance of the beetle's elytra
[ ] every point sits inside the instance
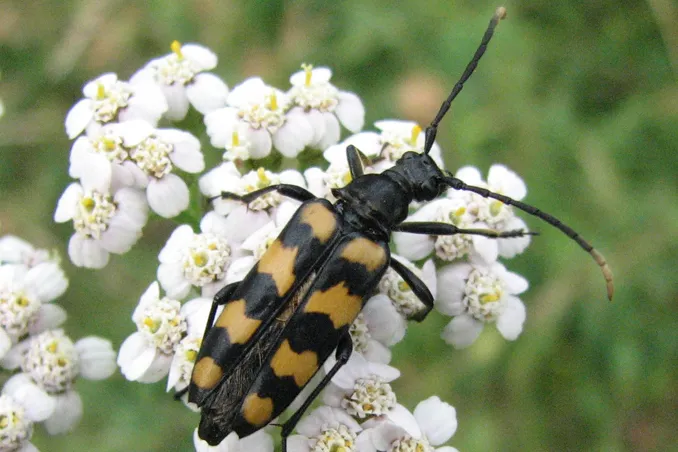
(294, 308)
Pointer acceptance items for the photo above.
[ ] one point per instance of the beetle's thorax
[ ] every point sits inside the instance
(381, 201)
(374, 201)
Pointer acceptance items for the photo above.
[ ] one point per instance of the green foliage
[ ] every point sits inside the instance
(578, 97)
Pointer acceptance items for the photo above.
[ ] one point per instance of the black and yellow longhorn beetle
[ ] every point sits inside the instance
(283, 320)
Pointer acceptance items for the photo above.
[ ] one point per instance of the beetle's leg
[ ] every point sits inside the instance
(435, 228)
(356, 161)
(418, 287)
(289, 190)
(343, 353)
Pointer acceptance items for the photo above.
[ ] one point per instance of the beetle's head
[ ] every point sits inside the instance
(426, 179)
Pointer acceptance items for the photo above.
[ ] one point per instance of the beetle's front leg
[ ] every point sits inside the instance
(291, 191)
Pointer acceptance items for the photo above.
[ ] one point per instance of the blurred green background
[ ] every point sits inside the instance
(579, 98)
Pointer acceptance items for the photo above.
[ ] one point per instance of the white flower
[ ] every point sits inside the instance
(105, 221)
(144, 157)
(433, 423)
(107, 99)
(257, 116)
(495, 214)
(476, 294)
(15, 250)
(398, 137)
(182, 80)
(404, 299)
(324, 106)
(259, 441)
(378, 326)
(24, 293)
(361, 387)
(51, 363)
(146, 355)
(16, 427)
(455, 211)
(325, 429)
(201, 260)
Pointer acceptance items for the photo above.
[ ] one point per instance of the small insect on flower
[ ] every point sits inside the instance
(284, 319)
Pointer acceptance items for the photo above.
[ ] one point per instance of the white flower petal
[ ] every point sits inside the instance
(5, 343)
(38, 404)
(200, 56)
(383, 320)
(86, 252)
(207, 92)
(413, 246)
(186, 154)
(462, 331)
(48, 280)
(66, 206)
(173, 249)
(401, 417)
(503, 180)
(261, 143)
(510, 322)
(67, 413)
(48, 317)
(171, 278)
(78, 117)
(509, 248)
(135, 357)
(332, 132)
(469, 174)
(177, 101)
(350, 111)
(486, 248)
(97, 358)
(294, 135)
(451, 287)
(169, 196)
(437, 419)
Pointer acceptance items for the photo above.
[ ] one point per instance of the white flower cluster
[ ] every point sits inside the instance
(122, 153)
(31, 342)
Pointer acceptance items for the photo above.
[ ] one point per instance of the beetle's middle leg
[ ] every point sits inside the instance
(418, 287)
(343, 353)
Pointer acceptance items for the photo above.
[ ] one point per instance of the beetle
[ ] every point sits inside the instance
(294, 308)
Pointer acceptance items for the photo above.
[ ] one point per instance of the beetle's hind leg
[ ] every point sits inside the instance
(291, 191)
(343, 353)
(435, 228)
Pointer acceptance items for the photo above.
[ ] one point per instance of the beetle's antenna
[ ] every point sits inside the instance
(458, 184)
(432, 129)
